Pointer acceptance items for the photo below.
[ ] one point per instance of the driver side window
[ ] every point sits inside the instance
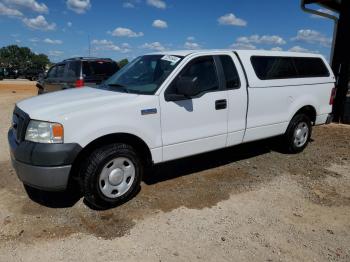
(203, 71)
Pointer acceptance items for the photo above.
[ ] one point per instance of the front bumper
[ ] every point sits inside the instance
(41, 177)
(42, 166)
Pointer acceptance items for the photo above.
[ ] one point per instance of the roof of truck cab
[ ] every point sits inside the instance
(239, 52)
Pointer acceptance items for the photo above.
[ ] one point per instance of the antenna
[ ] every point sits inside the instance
(89, 45)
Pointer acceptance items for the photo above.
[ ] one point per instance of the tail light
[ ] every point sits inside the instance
(79, 83)
(334, 92)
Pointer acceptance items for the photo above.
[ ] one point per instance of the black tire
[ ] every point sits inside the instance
(293, 145)
(92, 168)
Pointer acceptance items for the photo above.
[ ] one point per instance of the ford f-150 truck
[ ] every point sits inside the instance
(165, 106)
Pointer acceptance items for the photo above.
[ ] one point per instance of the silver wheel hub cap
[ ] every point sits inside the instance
(301, 134)
(117, 177)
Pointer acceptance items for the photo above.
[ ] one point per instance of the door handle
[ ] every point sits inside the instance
(221, 104)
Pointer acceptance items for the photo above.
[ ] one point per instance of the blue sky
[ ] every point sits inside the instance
(128, 28)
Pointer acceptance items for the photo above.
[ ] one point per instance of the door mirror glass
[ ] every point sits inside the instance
(187, 86)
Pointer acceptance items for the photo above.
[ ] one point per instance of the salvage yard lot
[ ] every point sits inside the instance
(245, 203)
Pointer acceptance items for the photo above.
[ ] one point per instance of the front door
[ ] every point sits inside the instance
(196, 124)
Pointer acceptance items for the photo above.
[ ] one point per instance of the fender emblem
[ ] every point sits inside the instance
(150, 111)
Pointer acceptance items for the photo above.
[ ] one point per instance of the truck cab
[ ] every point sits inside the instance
(165, 106)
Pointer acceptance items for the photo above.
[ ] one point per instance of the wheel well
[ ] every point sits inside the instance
(137, 143)
(310, 111)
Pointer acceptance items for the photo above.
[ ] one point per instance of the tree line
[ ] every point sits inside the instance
(20, 58)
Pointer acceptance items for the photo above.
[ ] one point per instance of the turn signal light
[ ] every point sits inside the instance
(57, 131)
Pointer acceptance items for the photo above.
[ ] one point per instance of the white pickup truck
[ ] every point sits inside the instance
(166, 106)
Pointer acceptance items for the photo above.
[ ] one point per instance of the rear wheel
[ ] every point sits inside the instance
(298, 133)
(111, 176)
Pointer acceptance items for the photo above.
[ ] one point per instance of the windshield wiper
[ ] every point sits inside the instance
(121, 87)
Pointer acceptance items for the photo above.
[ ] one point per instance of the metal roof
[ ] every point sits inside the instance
(86, 58)
(334, 5)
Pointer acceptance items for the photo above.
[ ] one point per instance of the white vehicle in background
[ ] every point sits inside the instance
(166, 106)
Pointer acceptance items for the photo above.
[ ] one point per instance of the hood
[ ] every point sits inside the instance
(58, 104)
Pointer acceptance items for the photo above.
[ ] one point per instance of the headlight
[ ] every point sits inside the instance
(44, 132)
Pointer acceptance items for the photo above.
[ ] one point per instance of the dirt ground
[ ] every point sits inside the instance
(247, 203)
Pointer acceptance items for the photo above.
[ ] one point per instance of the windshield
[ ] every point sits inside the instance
(144, 75)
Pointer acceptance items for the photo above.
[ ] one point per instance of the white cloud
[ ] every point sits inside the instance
(39, 23)
(126, 48)
(34, 40)
(192, 45)
(160, 24)
(300, 49)
(29, 4)
(52, 42)
(157, 3)
(18, 41)
(101, 42)
(265, 39)
(277, 48)
(79, 6)
(55, 53)
(131, 3)
(107, 45)
(313, 37)
(126, 45)
(128, 5)
(231, 19)
(4, 10)
(154, 46)
(125, 32)
(325, 11)
(69, 24)
(243, 46)
(190, 38)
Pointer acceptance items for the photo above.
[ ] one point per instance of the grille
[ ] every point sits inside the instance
(20, 122)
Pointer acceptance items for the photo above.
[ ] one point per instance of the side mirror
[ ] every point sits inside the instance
(184, 88)
(187, 86)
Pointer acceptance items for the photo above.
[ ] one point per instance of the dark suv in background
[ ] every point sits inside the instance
(77, 72)
(8, 73)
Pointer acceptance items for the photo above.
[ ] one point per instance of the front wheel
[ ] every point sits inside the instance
(111, 176)
(298, 133)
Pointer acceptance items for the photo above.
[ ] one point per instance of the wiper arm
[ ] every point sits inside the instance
(116, 85)
(121, 87)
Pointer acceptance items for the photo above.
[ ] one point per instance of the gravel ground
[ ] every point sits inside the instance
(250, 202)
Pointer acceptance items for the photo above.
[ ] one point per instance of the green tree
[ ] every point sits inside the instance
(40, 61)
(22, 58)
(123, 62)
